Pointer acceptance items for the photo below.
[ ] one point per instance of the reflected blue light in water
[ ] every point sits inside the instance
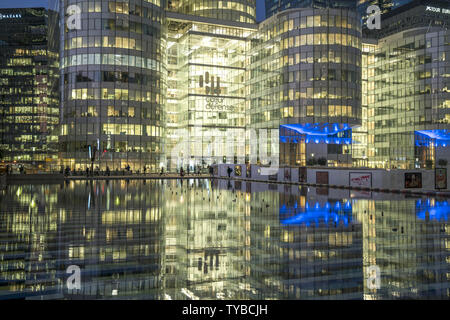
(438, 211)
(314, 214)
(317, 139)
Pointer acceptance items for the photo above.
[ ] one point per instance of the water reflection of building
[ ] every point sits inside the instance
(116, 237)
(112, 231)
(314, 247)
(408, 239)
(205, 228)
(28, 226)
(220, 240)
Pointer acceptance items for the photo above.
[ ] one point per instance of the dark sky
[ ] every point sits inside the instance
(22, 3)
(260, 11)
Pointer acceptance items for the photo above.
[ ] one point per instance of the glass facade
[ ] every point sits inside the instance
(150, 84)
(218, 239)
(206, 94)
(275, 6)
(408, 95)
(29, 75)
(305, 81)
(236, 10)
(113, 86)
(206, 82)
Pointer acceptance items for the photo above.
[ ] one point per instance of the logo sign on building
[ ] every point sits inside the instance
(10, 16)
(212, 88)
(210, 83)
(360, 179)
(438, 10)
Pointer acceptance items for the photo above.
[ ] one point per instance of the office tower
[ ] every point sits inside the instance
(274, 6)
(409, 109)
(305, 82)
(206, 82)
(113, 84)
(29, 101)
(237, 11)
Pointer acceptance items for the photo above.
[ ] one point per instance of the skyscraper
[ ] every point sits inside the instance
(305, 83)
(113, 84)
(29, 101)
(207, 52)
(408, 88)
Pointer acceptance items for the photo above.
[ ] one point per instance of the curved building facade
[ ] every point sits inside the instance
(305, 81)
(237, 10)
(112, 84)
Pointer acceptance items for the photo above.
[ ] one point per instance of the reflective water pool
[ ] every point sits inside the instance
(202, 239)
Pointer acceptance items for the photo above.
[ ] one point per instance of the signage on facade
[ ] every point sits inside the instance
(216, 104)
(438, 10)
(10, 16)
(213, 89)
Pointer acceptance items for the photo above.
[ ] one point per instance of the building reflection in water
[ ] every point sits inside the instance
(202, 239)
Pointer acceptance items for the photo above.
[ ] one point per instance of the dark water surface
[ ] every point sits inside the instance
(197, 239)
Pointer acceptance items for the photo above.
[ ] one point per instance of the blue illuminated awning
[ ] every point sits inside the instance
(318, 129)
(318, 133)
(436, 134)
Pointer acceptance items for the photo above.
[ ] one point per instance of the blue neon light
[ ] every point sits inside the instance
(318, 129)
(442, 134)
(318, 133)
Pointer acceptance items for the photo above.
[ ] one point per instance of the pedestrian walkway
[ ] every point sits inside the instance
(141, 176)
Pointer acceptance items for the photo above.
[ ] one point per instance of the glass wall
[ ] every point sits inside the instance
(236, 10)
(305, 72)
(408, 93)
(29, 102)
(113, 86)
(206, 94)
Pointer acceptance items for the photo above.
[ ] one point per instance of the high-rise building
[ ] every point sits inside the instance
(207, 51)
(408, 88)
(305, 83)
(274, 6)
(29, 75)
(113, 84)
